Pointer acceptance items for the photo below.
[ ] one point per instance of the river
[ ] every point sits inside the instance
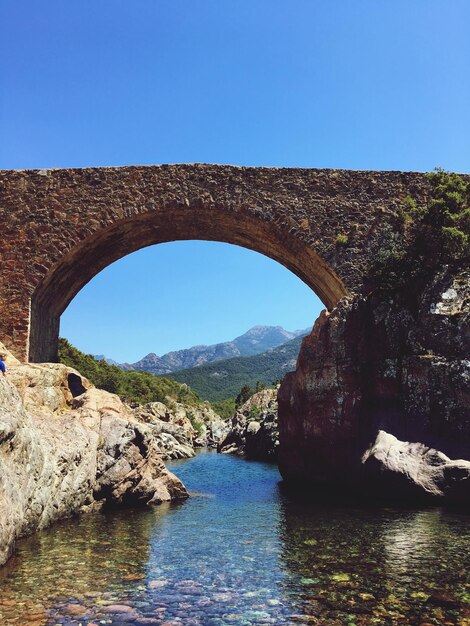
(242, 552)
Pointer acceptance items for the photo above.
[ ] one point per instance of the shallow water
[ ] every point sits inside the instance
(242, 552)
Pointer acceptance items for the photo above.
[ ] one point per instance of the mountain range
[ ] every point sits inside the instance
(257, 340)
(224, 378)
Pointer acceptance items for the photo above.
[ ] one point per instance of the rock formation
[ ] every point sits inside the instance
(254, 430)
(171, 429)
(178, 428)
(380, 364)
(66, 447)
(212, 428)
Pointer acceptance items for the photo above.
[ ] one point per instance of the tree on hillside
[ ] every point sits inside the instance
(133, 386)
(245, 394)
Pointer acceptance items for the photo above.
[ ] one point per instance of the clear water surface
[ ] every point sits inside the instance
(240, 551)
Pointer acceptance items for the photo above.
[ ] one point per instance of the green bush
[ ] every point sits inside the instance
(196, 422)
(341, 240)
(133, 386)
(245, 394)
(426, 236)
(224, 408)
(254, 412)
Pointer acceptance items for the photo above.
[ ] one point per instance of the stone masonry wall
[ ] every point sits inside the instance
(61, 227)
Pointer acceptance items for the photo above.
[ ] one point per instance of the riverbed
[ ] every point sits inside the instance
(241, 551)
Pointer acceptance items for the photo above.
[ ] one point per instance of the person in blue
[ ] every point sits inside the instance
(3, 367)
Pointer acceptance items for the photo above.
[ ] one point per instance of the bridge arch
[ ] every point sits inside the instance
(61, 227)
(91, 255)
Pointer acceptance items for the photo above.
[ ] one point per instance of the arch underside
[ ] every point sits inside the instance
(65, 279)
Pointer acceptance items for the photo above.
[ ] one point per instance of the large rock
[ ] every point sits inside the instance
(415, 470)
(254, 430)
(375, 363)
(211, 428)
(172, 430)
(61, 454)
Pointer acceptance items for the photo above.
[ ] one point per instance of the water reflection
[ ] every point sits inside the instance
(411, 540)
(243, 553)
(386, 566)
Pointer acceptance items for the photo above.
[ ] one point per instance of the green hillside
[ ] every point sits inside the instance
(132, 386)
(223, 379)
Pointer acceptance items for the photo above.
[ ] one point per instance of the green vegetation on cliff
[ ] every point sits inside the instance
(425, 236)
(224, 408)
(224, 379)
(132, 386)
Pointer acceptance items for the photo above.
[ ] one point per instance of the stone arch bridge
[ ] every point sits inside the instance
(60, 227)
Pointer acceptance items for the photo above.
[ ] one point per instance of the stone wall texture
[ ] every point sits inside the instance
(60, 227)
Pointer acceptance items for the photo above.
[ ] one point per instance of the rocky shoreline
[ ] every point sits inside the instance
(68, 448)
(377, 407)
(178, 428)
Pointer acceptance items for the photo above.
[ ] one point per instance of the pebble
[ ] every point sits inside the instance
(222, 597)
(119, 608)
(157, 584)
(444, 599)
(134, 577)
(75, 609)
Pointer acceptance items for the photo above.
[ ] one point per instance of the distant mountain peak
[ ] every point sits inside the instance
(151, 355)
(256, 340)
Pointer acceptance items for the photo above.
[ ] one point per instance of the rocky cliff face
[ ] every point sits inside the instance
(66, 447)
(254, 431)
(377, 366)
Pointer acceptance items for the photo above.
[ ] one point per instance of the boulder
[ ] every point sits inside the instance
(254, 430)
(172, 430)
(179, 428)
(415, 470)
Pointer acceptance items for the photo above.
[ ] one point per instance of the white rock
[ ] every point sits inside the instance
(419, 465)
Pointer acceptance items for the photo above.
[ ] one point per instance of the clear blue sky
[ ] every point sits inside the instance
(361, 84)
(179, 294)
